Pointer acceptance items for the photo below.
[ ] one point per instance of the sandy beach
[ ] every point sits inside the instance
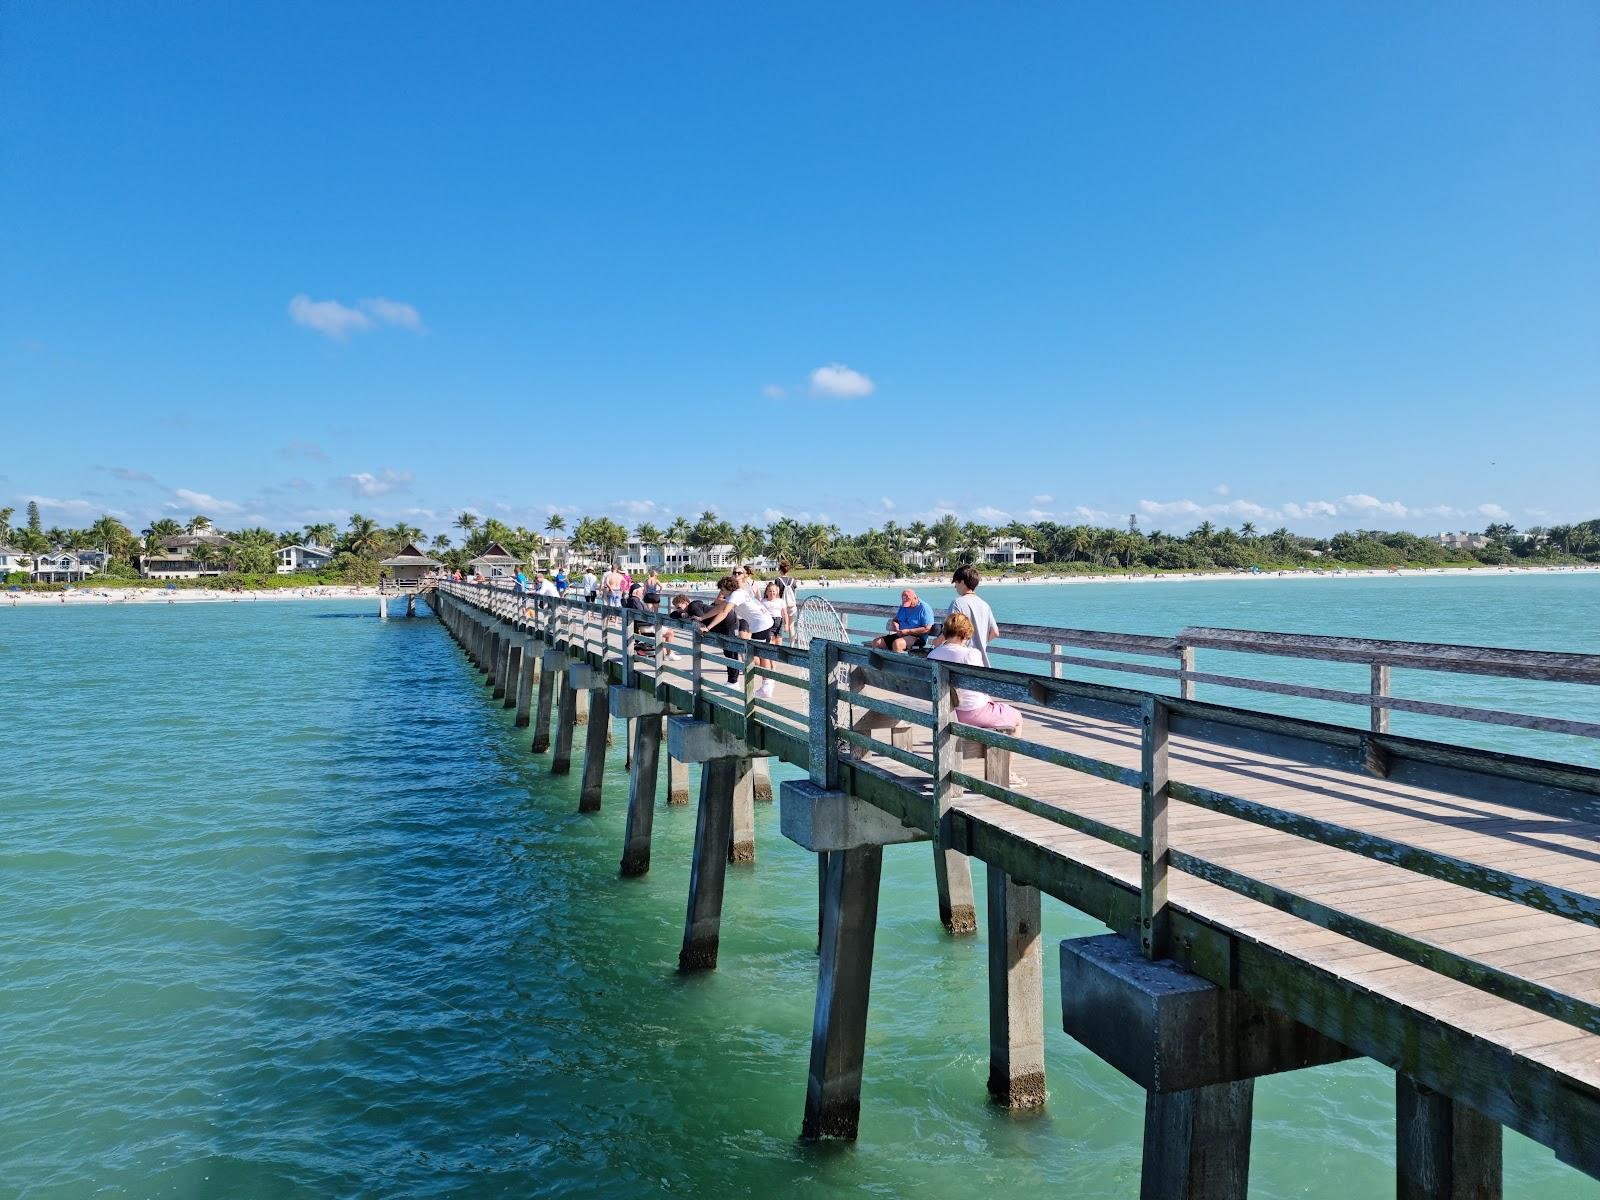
(156, 595)
(139, 595)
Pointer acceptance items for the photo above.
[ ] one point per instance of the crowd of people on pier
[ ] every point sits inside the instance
(766, 612)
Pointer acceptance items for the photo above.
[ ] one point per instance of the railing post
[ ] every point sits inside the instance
(1380, 688)
(824, 737)
(1186, 668)
(750, 683)
(627, 658)
(1055, 667)
(1155, 920)
(695, 670)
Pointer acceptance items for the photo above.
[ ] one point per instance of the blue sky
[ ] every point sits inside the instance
(1332, 265)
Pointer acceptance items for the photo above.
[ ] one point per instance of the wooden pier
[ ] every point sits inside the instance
(1284, 892)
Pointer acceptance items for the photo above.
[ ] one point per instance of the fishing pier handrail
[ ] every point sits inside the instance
(1322, 871)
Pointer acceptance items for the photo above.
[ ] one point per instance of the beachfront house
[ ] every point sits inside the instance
(494, 563)
(1007, 552)
(14, 561)
(553, 552)
(410, 565)
(293, 559)
(1462, 541)
(62, 566)
(186, 556)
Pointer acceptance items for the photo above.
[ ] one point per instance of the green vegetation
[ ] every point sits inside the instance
(245, 557)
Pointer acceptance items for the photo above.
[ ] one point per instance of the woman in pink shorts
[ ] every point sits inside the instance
(972, 708)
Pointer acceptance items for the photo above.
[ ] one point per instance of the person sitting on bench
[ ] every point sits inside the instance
(910, 626)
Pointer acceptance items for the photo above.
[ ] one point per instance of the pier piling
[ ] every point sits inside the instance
(702, 928)
(647, 716)
(550, 663)
(512, 672)
(1445, 1150)
(566, 724)
(527, 680)
(591, 683)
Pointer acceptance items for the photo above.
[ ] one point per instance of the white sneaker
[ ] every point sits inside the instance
(766, 690)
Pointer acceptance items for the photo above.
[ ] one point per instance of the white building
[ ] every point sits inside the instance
(293, 559)
(1462, 541)
(187, 556)
(61, 566)
(494, 563)
(1007, 552)
(674, 558)
(13, 560)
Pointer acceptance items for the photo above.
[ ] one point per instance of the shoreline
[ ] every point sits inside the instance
(940, 580)
(81, 597)
(85, 596)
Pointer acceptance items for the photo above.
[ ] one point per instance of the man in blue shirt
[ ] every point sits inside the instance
(909, 629)
(561, 582)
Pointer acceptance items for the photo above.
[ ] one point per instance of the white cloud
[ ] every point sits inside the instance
(637, 508)
(394, 312)
(1311, 510)
(1032, 515)
(1360, 502)
(1248, 509)
(1042, 500)
(129, 475)
(774, 392)
(886, 504)
(328, 317)
(1494, 512)
(990, 513)
(1221, 489)
(339, 321)
(1089, 515)
(203, 502)
(841, 382)
(363, 483)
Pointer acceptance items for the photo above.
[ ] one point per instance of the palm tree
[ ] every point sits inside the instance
(946, 534)
(648, 535)
(975, 538)
(466, 522)
(320, 534)
(362, 535)
(748, 542)
(441, 543)
(1247, 530)
(555, 524)
(679, 531)
(400, 533)
(198, 525)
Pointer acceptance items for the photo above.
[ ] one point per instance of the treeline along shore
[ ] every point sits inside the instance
(108, 554)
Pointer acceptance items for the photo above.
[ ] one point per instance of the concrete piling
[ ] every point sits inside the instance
(527, 680)
(511, 673)
(1016, 993)
(702, 928)
(549, 675)
(566, 723)
(594, 749)
(642, 777)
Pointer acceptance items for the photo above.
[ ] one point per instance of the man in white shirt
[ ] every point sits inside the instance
(591, 585)
(966, 580)
(543, 587)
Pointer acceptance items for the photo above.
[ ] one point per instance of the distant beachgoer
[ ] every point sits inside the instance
(909, 627)
(966, 580)
(972, 707)
(591, 585)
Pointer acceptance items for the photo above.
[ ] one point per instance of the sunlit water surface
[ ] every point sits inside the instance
(289, 910)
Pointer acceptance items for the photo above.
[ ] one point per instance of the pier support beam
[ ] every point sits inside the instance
(1016, 993)
(742, 836)
(566, 724)
(510, 671)
(492, 667)
(761, 781)
(848, 837)
(1196, 1048)
(551, 664)
(647, 716)
(702, 927)
(952, 870)
(724, 761)
(1445, 1150)
(590, 686)
(527, 680)
(677, 781)
(383, 608)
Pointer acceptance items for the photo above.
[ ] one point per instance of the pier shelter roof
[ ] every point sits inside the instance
(411, 557)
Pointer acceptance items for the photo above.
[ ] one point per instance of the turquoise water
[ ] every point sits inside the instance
(290, 911)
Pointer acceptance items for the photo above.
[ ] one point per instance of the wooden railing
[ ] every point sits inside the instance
(679, 660)
(1046, 644)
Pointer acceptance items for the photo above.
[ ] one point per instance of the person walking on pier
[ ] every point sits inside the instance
(790, 587)
(612, 586)
(972, 707)
(966, 580)
(591, 585)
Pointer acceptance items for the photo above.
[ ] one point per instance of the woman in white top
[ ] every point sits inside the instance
(972, 707)
(736, 598)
